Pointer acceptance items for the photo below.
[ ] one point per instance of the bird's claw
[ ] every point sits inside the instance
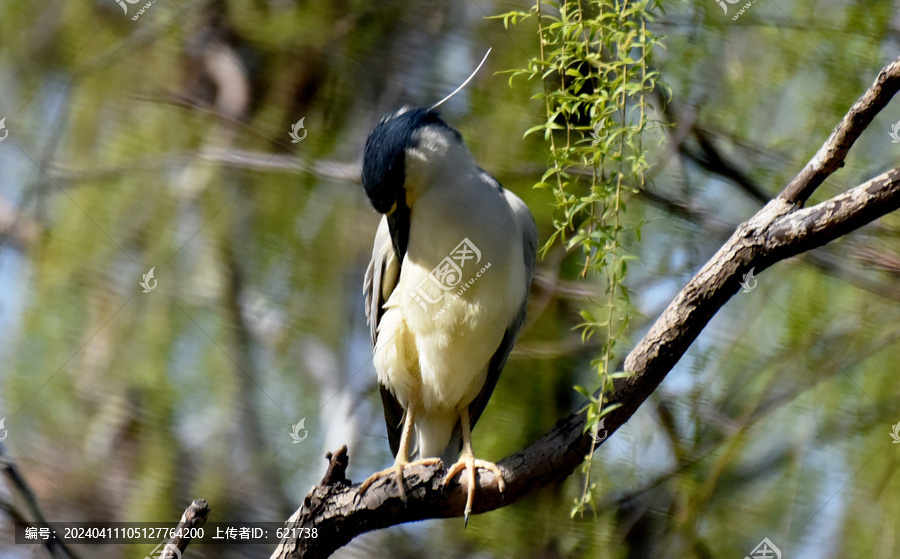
(397, 470)
(470, 464)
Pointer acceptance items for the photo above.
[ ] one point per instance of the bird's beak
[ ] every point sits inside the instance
(398, 224)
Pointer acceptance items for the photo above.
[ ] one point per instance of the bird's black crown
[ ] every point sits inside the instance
(384, 168)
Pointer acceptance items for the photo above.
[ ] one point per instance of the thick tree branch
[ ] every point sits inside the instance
(805, 229)
(828, 262)
(775, 233)
(778, 231)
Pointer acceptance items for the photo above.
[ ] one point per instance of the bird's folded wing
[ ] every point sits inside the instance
(381, 277)
(380, 281)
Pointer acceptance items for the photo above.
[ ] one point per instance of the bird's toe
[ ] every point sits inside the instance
(470, 465)
(396, 470)
(494, 469)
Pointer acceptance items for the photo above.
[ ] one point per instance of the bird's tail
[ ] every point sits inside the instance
(438, 436)
(451, 452)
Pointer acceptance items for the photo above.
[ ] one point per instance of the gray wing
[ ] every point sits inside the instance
(498, 360)
(380, 280)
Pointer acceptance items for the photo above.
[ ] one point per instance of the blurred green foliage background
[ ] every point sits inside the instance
(163, 143)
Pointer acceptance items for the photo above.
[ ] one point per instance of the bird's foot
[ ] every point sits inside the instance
(470, 464)
(397, 470)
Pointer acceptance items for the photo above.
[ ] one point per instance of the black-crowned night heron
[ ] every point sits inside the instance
(445, 291)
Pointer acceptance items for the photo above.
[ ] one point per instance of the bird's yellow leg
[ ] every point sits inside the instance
(402, 460)
(469, 463)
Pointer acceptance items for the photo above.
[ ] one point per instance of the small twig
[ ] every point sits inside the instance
(337, 467)
(13, 511)
(55, 546)
(241, 159)
(194, 517)
(715, 162)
